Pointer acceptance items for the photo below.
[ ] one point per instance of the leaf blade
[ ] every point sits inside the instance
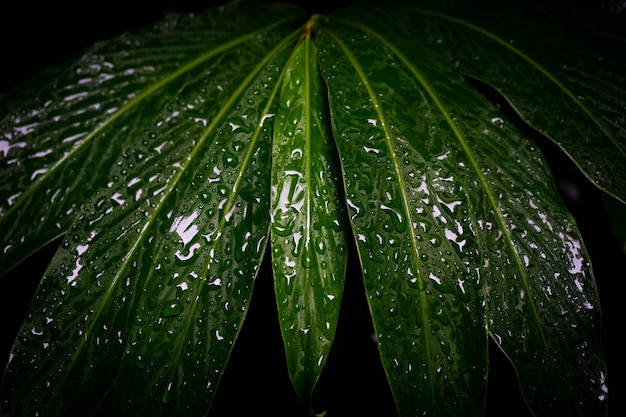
(216, 275)
(514, 194)
(309, 245)
(391, 169)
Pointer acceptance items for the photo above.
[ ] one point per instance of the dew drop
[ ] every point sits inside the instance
(140, 362)
(171, 308)
(307, 260)
(282, 229)
(229, 159)
(397, 219)
(166, 397)
(320, 246)
(189, 257)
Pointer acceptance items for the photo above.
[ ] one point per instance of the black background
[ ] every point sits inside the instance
(256, 381)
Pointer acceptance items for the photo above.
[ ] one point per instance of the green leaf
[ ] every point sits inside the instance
(61, 144)
(477, 210)
(403, 189)
(170, 156)
(309, 243)
(157, 271)
(192, 304)
(564, 86)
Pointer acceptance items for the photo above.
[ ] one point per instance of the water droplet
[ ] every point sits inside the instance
(282, 226)
(166, 397)
(140, 334)
(242, 243)
(307, 260)
(229, 159)
(140, 362)
(320, 246)
(397, 219)
(188, 257)
(171, 308)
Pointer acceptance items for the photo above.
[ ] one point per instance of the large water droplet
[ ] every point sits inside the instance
(167, 395)
(140, 361)
(397, 219)
(171, 308)
(282, 228)
(229, 159)
(189, 257)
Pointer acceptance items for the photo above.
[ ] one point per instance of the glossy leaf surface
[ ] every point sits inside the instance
(403, 190)
(309, 241)
(60, 146)
(171, 157)
(518, 228)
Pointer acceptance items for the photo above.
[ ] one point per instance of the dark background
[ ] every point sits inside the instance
(256, 381)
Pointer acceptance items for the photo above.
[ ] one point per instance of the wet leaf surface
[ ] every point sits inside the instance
(171, 161)
(309, 242)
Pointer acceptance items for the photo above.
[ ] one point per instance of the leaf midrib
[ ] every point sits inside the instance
(307, 169)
